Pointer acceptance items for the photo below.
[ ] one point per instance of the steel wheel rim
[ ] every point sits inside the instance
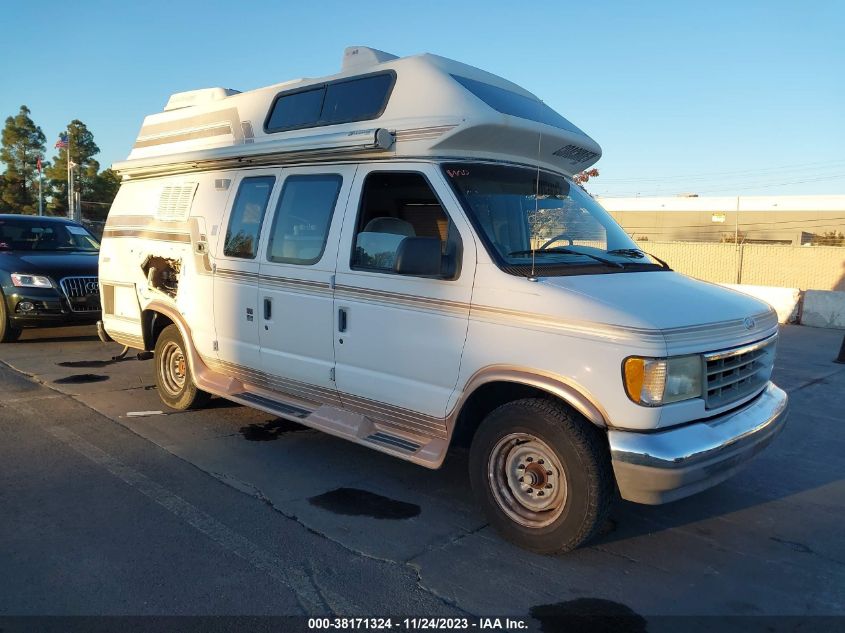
(527, 480)
(172, 368)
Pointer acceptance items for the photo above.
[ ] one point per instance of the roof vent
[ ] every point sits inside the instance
(197, 97)
(355, 57)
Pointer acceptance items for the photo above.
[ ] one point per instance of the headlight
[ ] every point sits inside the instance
(652, 382)
(31, 281)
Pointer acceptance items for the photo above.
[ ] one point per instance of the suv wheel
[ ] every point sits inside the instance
(174, 381)
(542, 473)
(8, 334)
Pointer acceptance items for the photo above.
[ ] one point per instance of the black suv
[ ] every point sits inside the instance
(48, 274)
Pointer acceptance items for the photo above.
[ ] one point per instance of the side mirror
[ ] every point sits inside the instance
(420, 256)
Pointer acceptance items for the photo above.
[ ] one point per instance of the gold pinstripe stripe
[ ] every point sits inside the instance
(388, 415)
(159, 236)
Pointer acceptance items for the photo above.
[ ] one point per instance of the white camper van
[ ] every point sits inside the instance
(397, 255)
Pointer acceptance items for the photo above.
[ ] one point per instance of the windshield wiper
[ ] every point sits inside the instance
(636, 253)
(565, 251)
(627, 252)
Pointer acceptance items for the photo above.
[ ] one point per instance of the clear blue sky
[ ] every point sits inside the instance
(715, 97)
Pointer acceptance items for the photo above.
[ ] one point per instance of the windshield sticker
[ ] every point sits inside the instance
(76, 230)
(457, 172)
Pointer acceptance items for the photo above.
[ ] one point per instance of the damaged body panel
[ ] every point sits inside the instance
(162, 274)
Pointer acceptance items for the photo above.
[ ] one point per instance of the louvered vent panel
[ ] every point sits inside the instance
(174, 203)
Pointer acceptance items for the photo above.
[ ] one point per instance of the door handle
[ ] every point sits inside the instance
(341, 319)
(268, 308)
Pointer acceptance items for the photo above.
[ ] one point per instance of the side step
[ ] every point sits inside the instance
(396, 442)
(275, 406)
(428, 452)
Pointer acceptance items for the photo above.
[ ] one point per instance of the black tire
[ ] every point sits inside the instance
(8, 334)
(174, 381)
(576, 479)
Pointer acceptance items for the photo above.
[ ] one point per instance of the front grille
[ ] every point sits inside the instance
(737, 373)
(83, 293)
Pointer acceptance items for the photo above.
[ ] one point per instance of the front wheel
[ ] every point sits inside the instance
(8, 334)
(542, 473)
(174, 381)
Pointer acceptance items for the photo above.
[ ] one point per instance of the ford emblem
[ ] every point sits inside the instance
(749, 323)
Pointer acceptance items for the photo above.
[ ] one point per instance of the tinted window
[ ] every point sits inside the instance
(247, 216)
(16, 235)
(395, 206)
(302, 220)
(297, 110)
(508, 102)
(337, 102)
(356, 100)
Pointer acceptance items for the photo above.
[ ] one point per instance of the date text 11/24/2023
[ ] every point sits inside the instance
(419, 623)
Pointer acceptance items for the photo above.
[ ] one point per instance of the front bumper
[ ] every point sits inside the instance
(663, 466)
(51, 309)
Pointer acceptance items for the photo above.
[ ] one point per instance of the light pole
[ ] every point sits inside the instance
(40, 196)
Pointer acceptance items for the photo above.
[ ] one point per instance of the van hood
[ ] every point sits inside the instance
(687, 311)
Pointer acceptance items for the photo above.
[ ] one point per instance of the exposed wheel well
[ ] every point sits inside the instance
(484, 400)
(494, 394)
(153, 323)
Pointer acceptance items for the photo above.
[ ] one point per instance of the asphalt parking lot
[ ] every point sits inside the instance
(108, 507)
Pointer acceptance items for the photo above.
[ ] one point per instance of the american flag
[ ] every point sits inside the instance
(62, 142)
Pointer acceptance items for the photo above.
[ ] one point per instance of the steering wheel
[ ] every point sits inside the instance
(557, 238)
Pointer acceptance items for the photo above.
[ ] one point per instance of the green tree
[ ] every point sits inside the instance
(82, 152)
(22, 144)
(829, 238)
(95, 205)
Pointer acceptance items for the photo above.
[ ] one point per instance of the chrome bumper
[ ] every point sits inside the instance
(663, 466)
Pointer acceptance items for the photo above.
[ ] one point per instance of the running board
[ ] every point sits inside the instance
(331, 419)
(396, 442)
(268, 404)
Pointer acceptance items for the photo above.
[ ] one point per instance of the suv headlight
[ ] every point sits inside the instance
(22, 280)
(652, 382)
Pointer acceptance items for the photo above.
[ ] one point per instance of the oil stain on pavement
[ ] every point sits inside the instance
(588, 614)
(77, 379)
(355, 502)
(86, 364)
(271, 430)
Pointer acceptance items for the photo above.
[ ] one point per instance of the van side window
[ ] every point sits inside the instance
(342, 101)
(395, 206)
(302, 220)
(247, 216)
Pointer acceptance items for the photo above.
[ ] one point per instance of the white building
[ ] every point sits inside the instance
(769, 219)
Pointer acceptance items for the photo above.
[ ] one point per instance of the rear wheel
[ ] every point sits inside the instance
(8, 334)
(174, 381)
(542, 473)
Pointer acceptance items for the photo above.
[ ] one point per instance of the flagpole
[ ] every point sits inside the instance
(40, 205)
(69, 181)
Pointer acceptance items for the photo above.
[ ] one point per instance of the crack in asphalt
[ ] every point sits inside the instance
(802, 548)
(253, 491)
(816, 381)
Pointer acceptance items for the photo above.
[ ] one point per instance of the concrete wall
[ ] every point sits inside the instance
(823, 309)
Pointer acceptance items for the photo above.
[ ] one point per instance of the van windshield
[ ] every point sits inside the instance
(542, 221)
(35, 235)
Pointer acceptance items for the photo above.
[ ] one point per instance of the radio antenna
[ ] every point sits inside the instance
(536, 208)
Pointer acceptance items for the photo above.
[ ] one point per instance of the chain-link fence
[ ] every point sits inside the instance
(803, 267)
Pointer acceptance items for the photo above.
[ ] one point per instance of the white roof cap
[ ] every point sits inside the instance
(355, 57)
(196, 97)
